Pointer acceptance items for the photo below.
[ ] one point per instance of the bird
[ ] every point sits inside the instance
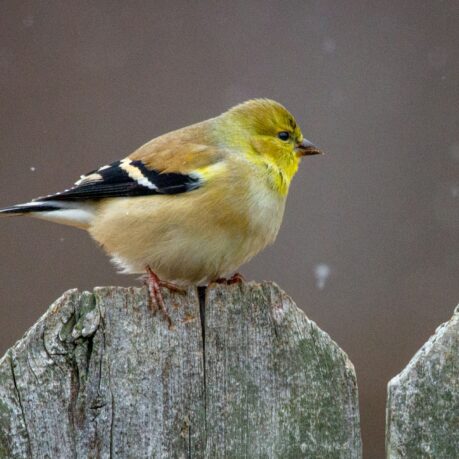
(192, 205)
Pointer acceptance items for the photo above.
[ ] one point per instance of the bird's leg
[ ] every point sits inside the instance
(236, 278)
(156, 303)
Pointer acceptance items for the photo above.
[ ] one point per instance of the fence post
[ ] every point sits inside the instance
(242, 373)
(423, 400)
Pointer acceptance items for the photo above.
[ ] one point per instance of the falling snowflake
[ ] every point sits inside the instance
(321, 273)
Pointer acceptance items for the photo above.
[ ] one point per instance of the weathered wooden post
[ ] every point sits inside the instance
(251, 376)
(423, 400)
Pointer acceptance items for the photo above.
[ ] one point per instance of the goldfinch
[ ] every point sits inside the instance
(192, 205)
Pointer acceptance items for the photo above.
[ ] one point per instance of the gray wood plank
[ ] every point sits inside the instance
(276, 385)
(100, 376)
(423, 400)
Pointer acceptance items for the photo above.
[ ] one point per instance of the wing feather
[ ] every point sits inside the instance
(126, 178)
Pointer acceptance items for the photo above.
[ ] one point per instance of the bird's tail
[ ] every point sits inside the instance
(67, 213)
(29, 207)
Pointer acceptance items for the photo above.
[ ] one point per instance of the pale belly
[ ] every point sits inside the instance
(187, 239)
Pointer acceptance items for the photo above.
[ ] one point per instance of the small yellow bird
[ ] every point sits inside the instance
(192, 205)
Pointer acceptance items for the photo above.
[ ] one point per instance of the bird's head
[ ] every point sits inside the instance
(267, 131)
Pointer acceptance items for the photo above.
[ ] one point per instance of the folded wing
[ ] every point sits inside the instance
(125, 178)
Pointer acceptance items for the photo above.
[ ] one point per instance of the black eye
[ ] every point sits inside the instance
(284, 135)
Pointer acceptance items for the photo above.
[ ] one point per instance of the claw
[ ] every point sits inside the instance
(156, 302)
(236, 278)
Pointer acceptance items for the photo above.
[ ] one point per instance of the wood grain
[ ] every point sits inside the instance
(100, 376)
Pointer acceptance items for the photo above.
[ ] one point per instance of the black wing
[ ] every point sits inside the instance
(126, 178)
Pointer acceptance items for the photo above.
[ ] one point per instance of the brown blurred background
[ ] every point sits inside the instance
(369, 245)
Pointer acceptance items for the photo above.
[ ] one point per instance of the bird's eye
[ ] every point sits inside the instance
(284, 135)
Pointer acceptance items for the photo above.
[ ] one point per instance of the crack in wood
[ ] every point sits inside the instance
(18, 395)
(202, 314)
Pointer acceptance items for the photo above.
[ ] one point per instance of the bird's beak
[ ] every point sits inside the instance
(307, 148)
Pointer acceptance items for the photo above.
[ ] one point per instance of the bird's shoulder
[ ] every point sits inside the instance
(183, 151)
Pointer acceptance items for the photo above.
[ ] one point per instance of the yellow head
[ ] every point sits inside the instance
(268, 133)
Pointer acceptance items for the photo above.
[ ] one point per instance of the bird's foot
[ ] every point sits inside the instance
(156, 303)
(236, 278)
(173, 287)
